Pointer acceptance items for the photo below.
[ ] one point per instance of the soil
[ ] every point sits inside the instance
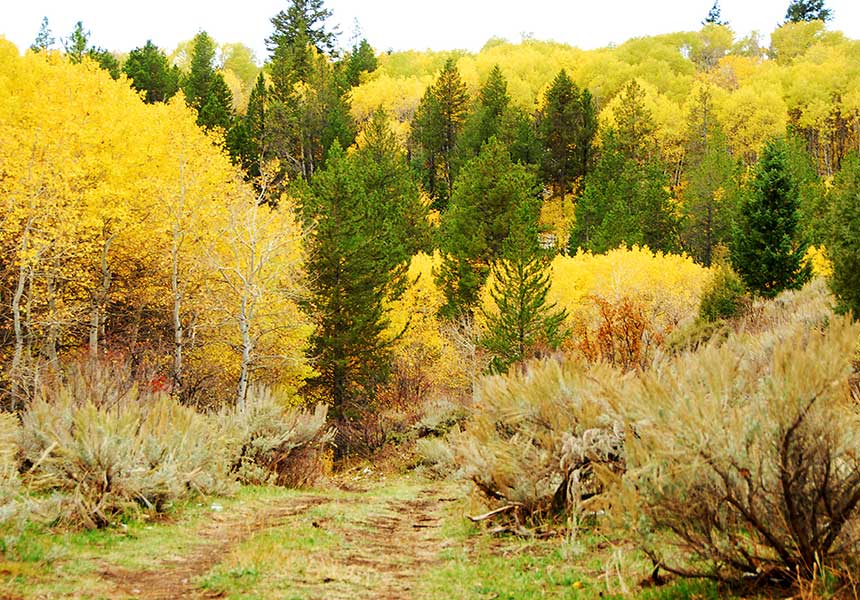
(389, 548)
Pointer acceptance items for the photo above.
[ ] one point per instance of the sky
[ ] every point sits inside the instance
(400, 24)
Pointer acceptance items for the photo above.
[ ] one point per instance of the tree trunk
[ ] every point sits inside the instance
(100, 299)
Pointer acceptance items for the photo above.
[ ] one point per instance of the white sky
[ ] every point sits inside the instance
(399, 24)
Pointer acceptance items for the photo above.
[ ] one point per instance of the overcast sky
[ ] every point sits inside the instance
(400, 24)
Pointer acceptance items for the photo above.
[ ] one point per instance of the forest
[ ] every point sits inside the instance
(605, 298)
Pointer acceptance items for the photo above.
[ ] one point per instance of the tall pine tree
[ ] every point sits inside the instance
(807, 10)
(768, 247)
(524, 323)
(151, 73)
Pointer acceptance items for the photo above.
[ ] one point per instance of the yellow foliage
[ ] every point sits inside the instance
(817, 257)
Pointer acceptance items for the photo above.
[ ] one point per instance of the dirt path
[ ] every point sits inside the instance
(175, 578)
(377, 546)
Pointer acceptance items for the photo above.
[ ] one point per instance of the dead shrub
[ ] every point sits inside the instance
(746, 453)
(624, 335)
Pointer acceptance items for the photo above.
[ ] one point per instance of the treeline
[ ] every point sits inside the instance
(346, 164)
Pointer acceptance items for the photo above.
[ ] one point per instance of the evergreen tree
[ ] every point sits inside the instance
(714, 17)
(768, 248)
(624, 202)
(361, 58)
(106, 60)
(247, 141)
(710, 193)
(151, 73)
(44, 40)
(807, 10)
(843, 243)
(524, 323)
(365, 213)
(199, 79)
(435, 129)
(634, 124)
(217, 110)
(566, 126)
(478, 221)
(487, 119)
(76, 44)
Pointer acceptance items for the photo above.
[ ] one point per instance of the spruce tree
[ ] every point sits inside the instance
(364, 212)
(566, 124)
(768, 247)
(217, 110)
(487, 118)
(435, 129)
(247, 140)
(199, 79)
(807, 10)
(714, 17)
(76, 44)
(843, 240)
(524, 323)
(151, 73)
(44, 40)
(478, 221)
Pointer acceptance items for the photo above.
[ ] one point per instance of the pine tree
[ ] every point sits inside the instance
(247, 140)
(106, 60)
(435, 129)
(364, 211)
(625, 201)
(151, 73)
(768, 249)
(807, 10)
(714, 17)
(524, 323)
(478, 221)
(634, 123)
(199, 80)
(487, 118)
(44, 40)
(361, 58)
(843, 240)
(710, 192)
(566, 126)
(76, 44)
(217, 110)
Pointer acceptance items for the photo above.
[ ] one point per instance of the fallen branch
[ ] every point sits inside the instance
(493, 513)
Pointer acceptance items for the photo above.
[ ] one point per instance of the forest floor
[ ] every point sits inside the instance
(367, 535)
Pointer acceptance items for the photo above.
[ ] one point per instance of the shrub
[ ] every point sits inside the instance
(746, 454)
(543, 439)
(724, 296)
(277, 443)
(115, 452)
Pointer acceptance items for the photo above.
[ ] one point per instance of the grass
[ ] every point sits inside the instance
(337, 547)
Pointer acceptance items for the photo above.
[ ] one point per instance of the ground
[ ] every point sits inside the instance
(367, 535)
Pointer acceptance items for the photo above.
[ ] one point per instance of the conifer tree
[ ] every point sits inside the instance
(768, 247)
(524, 322)
(247, 140)
(435, 129)
(199, 79)
(217, 111)
(76, 44)
(714, 17)
(486, 120)
(566, 126)
(807, 10)
(843, 240)
(364, 212)
(150, 72)
(44, 40)
(478, 221)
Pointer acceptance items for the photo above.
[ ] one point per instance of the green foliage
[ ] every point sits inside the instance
(477, 222)
(217, 111)
(710, 193)
(150, 72)
(438, 122)
(807, 10)
(714, 17)
(359, 60)
(76, 44)
(366, 221)
(44, 39)
(768, 247)
(625, 202)
(566, 127)
(106, 60)
(524, 323)
(205, 89)
(843, 243)
(724, 296)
